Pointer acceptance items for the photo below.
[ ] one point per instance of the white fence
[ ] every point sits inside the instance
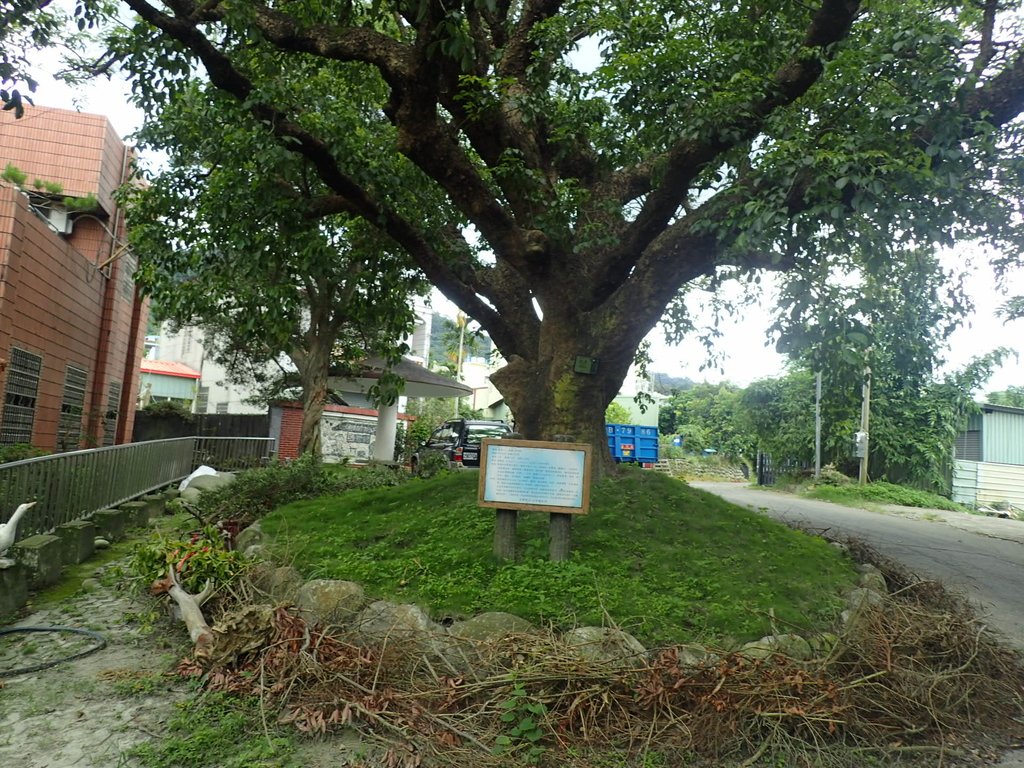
(980, 483)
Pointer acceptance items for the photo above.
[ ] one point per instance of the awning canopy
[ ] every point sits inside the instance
(419, 381)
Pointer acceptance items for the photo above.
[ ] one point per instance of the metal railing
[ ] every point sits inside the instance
(70, 486)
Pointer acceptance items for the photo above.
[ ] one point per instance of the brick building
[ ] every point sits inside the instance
(72, 322)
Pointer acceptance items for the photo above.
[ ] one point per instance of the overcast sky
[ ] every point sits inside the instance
(742, 346)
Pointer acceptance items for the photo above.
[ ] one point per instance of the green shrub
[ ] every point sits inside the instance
(416, 434)
(373, 475)
(20, 451)
(832, 476)
(432, 463)
(885, 493)
(255, 492)
(195, 559)
(168, 409)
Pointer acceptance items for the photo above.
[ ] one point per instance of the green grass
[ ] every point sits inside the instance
(882, 492)
(662, 560)
(215, 730)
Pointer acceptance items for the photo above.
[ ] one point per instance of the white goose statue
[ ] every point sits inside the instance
(9, 529)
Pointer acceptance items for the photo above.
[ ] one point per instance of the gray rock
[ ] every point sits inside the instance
(329, 601)
(604, 644)
(255, 552)
(101, 543)
(88, 585)
(384, 621)
(822, 645)
(251, 535)
(790, 646)
(190, 495)
(455, 656)
(872, 578)
(860, 604)
(206, 482)
(487, 627)
(862, 598)
(281, 584)
(695, 656)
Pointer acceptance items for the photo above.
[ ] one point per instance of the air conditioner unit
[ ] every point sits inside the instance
(59, 221)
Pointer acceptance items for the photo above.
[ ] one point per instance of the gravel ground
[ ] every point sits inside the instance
(84, 713)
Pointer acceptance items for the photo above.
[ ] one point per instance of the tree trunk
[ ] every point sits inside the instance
(549, 398)
(191, 608)
(313, 369)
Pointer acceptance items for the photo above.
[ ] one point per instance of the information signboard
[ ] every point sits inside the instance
(535, 475)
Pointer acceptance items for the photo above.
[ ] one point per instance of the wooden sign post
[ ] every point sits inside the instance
(538, 476)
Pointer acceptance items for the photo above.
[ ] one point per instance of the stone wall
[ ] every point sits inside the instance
(348, 436)
(696, 469)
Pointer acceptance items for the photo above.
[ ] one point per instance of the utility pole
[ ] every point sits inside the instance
(817, 425)
(865, 417)
(461, 319)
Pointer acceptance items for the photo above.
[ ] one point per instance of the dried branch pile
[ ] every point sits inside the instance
(917, 675)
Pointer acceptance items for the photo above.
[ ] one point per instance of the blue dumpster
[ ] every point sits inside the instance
(632, 443)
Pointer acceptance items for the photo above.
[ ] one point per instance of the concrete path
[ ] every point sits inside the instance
(88, 712)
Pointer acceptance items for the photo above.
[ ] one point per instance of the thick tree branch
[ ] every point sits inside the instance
(986, 49)
(1000, 99)
(225, 76)
(339, 43)
(685, 161)
(519, 51)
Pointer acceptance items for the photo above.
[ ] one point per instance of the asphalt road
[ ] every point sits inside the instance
(982, 557)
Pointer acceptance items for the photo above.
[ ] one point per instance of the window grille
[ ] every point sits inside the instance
(127, 275)
(72, 406)
(20, 395)
(111, 416)
(202, 399)
(222, 407)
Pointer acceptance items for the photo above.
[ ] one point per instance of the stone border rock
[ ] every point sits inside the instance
(344, 604)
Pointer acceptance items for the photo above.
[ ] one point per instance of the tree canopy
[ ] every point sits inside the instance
(1011, 396)
(225, 242)
(705, 141)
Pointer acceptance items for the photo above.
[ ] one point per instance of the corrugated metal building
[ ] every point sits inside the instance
(989, 465)
(995, 435)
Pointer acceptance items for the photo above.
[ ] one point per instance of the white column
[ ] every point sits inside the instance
(387, 427)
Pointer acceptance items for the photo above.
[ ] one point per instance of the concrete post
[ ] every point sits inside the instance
(387, 428)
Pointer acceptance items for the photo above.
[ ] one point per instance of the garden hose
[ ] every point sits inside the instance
(100, 644)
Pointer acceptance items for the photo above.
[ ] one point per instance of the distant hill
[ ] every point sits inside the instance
(664, 384)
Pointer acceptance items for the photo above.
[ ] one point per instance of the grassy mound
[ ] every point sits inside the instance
(662, 560)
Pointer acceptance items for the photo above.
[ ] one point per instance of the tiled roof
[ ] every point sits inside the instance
(169, 368)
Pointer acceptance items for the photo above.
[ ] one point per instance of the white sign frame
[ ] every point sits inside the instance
(515, 474)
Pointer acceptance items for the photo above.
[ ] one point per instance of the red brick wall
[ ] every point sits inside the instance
(75, 149)
(291, 429)
(51, 304)
(54, 302)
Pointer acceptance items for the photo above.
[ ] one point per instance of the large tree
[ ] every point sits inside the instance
(707, 139)
(225, 241)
